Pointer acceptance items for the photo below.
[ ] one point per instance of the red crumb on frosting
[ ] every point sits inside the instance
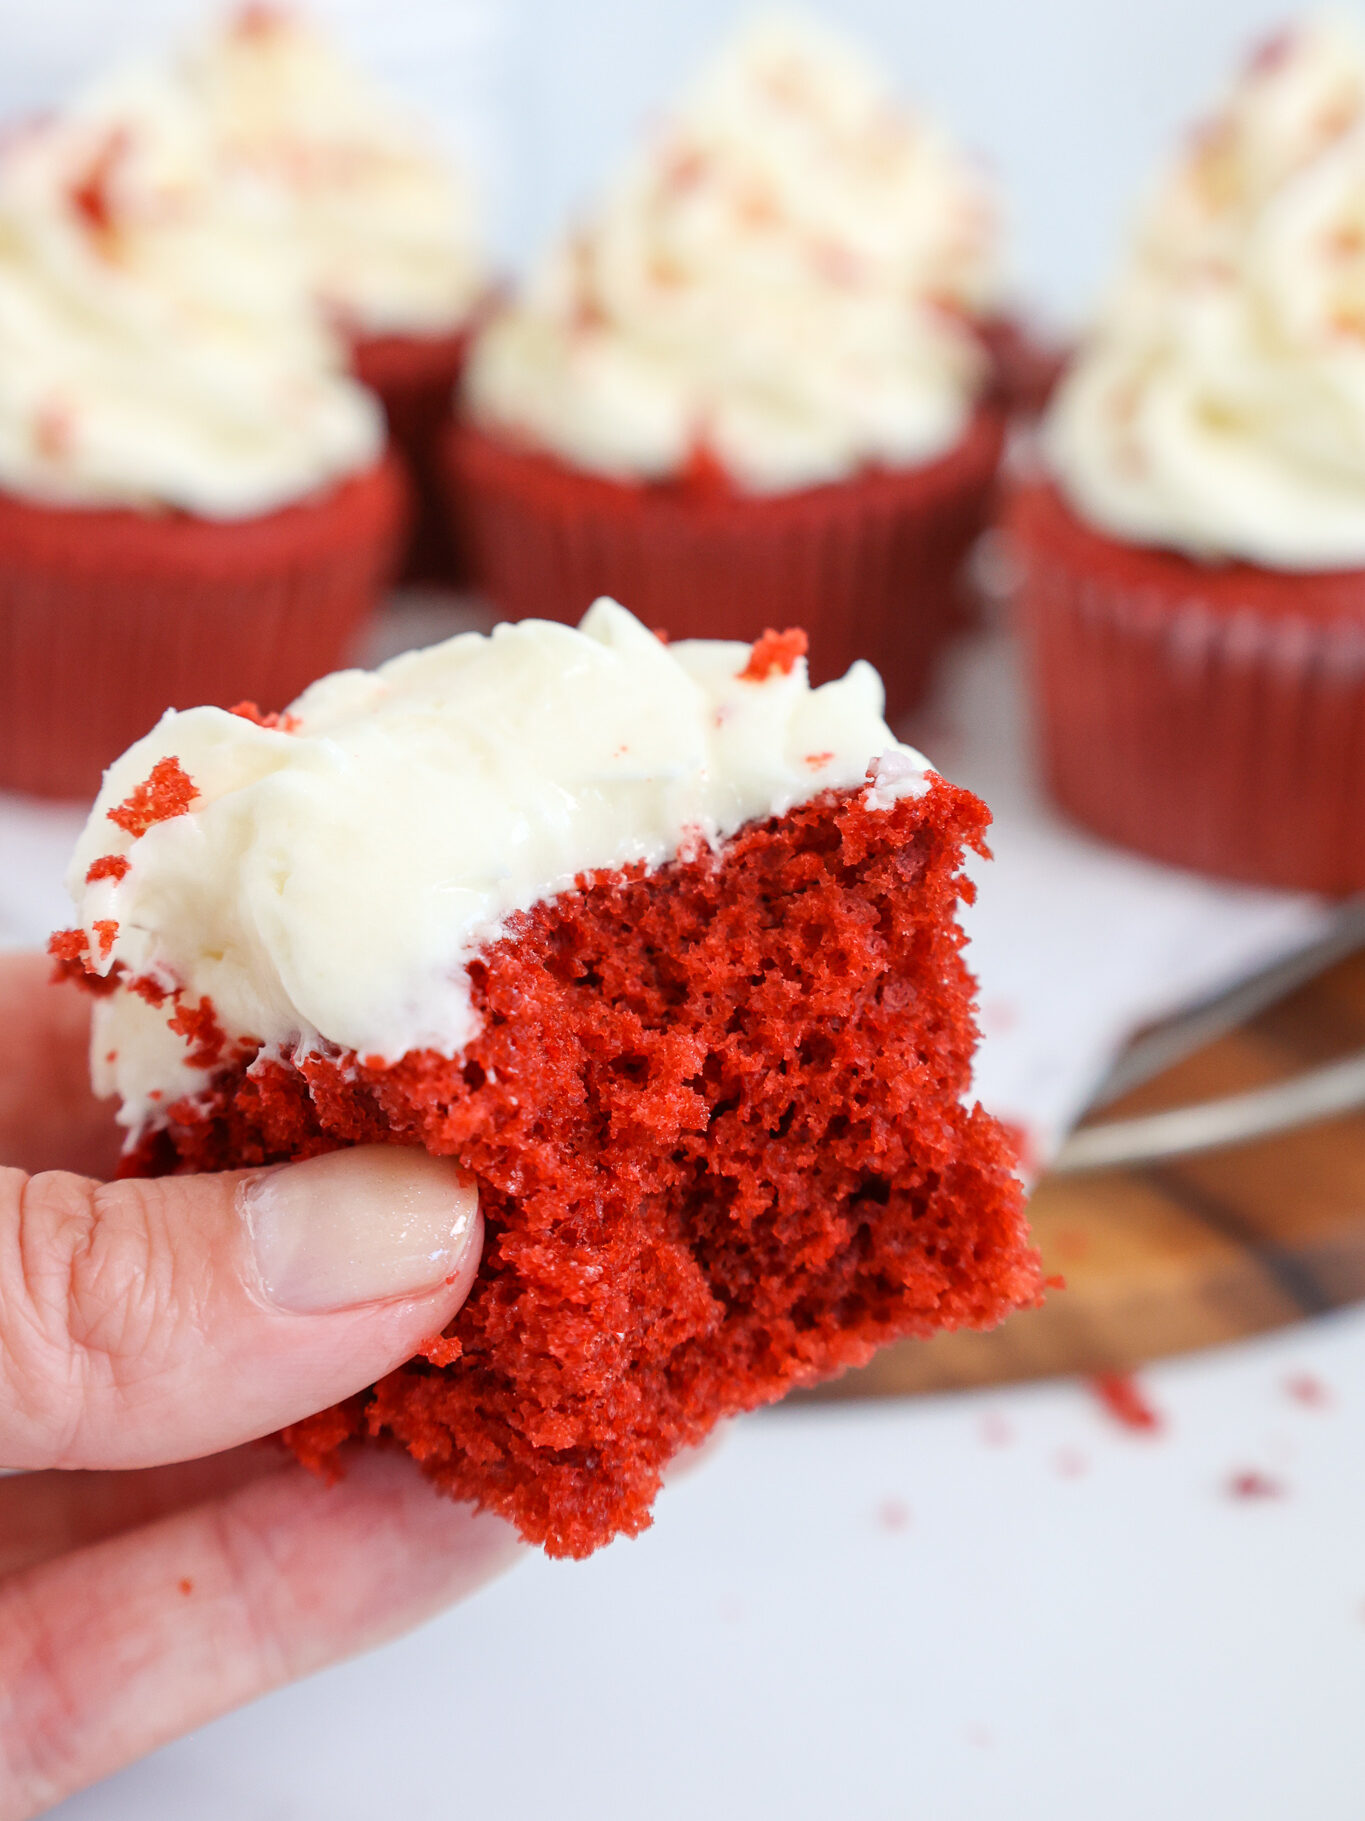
(90, 194)
(282, 720)
(108, 866)
(54, 427)
(168, 792)
(774, 651)
(716, 1117)
(69, 945)
(107, 930)
(199, 1026)
(259, 19)
(1125, 1400)
(818, 760)
(70, 950)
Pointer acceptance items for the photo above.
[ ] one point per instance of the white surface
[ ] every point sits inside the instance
(1073, 1623)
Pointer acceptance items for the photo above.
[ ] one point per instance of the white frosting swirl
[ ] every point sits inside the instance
(332, 881)
(781, 278)
(1219, 408)
(383, 222)
(156, 344)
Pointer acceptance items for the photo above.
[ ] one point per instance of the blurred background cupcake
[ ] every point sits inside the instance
(752, 389)
(195, 502)
(1193, 552)
(380, 217)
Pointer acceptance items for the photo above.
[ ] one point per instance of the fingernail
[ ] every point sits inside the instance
(360, 1226)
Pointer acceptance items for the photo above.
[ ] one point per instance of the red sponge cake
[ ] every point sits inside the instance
(715, 1097)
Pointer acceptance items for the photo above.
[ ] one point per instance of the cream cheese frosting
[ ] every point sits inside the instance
(783, 276)
(1219, 407)
(384, 223)
(330, 883)
(157, 348)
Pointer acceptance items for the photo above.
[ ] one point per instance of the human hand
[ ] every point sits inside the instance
(155, 1569)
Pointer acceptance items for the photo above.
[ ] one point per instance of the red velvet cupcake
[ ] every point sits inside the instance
(872, 565)
(755, 376)
(380, 217)
(1192, 557)
(701, 1036)
(109, 617)
(415, 377)
(195, 504)
(1210, 717)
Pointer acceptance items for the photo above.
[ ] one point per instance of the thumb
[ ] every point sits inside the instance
(143, 1322)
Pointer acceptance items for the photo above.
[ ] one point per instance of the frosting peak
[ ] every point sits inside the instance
(156, 345)
(780, 277)
(1219, 407)
(381, 221)
(328, 879)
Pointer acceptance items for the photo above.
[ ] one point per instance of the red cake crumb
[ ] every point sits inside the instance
(1252, 1484)
(1125, 1400)
(70, 952)
(91, 195)
(108, 866)
(281, 719)
(1307, 1389)
(199, 1026)
(715, 1114)
(775, 651)
(168, 792)
(106, 928)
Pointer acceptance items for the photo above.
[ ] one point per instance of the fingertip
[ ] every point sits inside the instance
(363, 1225)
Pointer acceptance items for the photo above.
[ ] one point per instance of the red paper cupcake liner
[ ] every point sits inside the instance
(871, 567)
(414, 377)
(108, 618)
(1209, 716)
(1025, 364)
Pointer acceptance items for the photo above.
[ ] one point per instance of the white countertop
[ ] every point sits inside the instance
(950, 1609)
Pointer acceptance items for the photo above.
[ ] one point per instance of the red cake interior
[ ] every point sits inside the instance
(716, 1117)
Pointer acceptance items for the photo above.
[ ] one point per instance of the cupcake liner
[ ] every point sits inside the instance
(1026, 364)
(414, 378)
(1213, 717)
(109, 617)
(870, 567)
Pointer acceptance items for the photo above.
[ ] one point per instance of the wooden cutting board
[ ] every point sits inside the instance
(1173, 1256)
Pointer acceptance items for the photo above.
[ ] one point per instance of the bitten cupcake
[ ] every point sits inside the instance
(657, 941)
(1193, 551)
(751, 386)
(383, 222)
(194, 498)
